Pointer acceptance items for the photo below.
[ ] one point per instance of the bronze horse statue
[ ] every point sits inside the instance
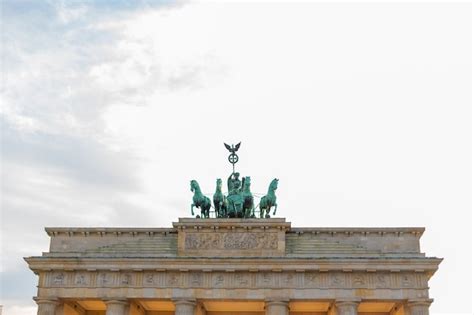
(220, 202)
(199, 200)
(269, 200)
(249, 210)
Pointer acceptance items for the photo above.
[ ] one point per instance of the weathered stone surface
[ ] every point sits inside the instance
(231, 237)
(234, 259)
(234, 237)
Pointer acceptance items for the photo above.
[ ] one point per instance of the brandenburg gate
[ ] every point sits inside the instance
(235, 263)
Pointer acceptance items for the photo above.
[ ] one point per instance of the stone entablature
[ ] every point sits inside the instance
(223, 237)
(234, 259)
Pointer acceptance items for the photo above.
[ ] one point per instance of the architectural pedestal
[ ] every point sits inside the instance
(277, 307)
(184, 307)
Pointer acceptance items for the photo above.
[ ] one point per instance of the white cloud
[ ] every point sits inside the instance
(20, 310)
(69, 14)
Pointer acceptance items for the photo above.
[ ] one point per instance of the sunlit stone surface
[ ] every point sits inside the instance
(233, 266)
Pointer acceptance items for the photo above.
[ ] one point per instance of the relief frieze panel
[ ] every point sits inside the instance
(266, 280)
(382, 280)
(173, 279)
(82, 279)
(105, 279)
(359, 280)
(150, 279)
(236, 279)
(219, 280)
(231, 241)
(312, 279)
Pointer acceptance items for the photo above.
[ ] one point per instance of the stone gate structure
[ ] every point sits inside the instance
(233, 266)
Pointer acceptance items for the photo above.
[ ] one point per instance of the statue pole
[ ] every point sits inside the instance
(233, 157)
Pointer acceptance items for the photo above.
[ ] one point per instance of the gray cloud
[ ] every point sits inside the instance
(57, 167)
(81, 159)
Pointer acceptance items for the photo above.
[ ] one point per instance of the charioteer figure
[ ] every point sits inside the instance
(235, 200)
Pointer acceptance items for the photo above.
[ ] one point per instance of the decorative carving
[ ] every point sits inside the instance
(81, 279)
(287, 279)
(359, 280)
(266, 279)
(218, 280)
(242, 279)
(58, 279)
(381, 280)
(149, 279)
(195, 279)
(126, 279)
(237, 240)
(104, 279)
(172, 279)
(337, 280)
(312, 279)
(407, 280)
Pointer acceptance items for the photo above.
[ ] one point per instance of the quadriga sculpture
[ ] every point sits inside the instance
(269, 200)
(199, 200)
(220, 204)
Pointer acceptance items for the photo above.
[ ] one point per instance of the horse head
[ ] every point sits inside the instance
(274, 184)
(218, 183)
(247, 182)
(194, 185)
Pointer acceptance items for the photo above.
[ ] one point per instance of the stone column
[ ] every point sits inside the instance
(184, 306)
(46, 306)
(418, 306)
(347, 307)
(116, 307)
(277, 307)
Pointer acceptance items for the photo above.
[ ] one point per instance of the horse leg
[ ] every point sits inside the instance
(275, 210)
(192, 211)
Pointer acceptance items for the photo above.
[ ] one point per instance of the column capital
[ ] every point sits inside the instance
(184, 301)
(419, 302)
(116, 301)
(276, 301)
(348, 301)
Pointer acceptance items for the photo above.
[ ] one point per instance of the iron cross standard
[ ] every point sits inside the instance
(233, 157)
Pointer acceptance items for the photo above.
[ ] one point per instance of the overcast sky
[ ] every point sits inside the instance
(363, 111)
